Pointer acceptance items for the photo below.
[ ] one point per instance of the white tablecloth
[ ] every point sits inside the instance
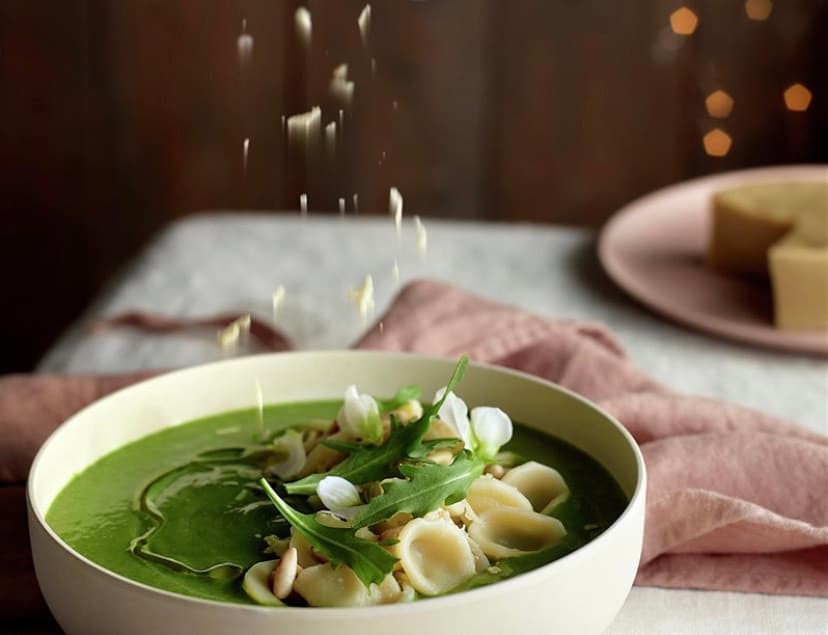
(221, 263)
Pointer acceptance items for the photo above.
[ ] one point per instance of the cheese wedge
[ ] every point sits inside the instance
(812, 225)
(799, 274)
(748, 220)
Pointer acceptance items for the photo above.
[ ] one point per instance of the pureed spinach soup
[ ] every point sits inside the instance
(337, 503)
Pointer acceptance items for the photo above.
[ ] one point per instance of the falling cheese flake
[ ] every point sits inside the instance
(356, 203)
(340, 72)
(341, 88)
(341, 202)
(260, 410)
(228, 337)
(303, 204)
(305, 127)
(363, 298)
(364, 22)
(330, 140)
(422, 237)
(395, 272)
(278, 298)
(244, 45)
(395, 208)
(245, 151)
(304, 26)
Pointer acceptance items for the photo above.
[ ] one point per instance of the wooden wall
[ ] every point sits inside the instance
(118, 116)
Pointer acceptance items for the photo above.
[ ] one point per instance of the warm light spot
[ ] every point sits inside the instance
(683, 21)
(717, 142)
(719, 104)
(797, 97)
(758, 9)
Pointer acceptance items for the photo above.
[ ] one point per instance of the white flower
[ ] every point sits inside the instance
(359, 417)
(340, 496)
(490, 427)
(288, 455)
(455, 412)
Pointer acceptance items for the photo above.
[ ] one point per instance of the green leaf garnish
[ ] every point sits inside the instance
(456, 376)
(347, 447)
(427, 446)
(370, 463)
(428, 486)
(370, 562)
(403, 396)
(374, 463)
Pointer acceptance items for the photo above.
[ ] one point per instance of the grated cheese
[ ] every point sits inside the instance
(363, 298)
(395, 208)
(304, 25)
(422, 237)
(364, 22)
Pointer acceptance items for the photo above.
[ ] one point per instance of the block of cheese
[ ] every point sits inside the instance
(812, 224)
(747, 220)
(799, 275)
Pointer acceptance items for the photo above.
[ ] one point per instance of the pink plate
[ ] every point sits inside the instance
(654, 248)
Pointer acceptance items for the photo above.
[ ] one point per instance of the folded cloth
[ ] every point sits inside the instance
(736, 500)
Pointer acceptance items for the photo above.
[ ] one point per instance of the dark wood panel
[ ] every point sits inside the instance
(117, 117)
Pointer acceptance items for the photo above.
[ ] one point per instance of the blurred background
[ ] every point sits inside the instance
(117, 117)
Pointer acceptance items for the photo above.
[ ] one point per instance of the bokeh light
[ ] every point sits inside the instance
(797, 97)
(717, 143)
(758, 10)
(719, 104)
(683, 21)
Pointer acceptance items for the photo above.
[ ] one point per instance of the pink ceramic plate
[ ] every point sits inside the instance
(654, 249)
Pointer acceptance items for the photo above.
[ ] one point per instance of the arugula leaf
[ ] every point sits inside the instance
(427, 446)
(370, 562)
(403, 396)
(370, 463)
(456, 376)
(428, 486)
(374, 463)
(347, 447)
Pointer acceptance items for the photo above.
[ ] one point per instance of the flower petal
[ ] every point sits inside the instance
(288, 455)
(454, 412)
(491, 428)
(337, 494)
(359, 416)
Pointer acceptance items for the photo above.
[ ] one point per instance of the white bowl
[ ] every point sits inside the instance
(580, 593)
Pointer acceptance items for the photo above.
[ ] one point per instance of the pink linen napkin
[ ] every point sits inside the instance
(737, 500)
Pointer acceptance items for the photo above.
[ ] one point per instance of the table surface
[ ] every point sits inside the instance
(222, 263)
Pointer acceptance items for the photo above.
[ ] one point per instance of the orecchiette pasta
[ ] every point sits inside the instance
(481, 562)
(322, 585)
(487, 492)
(435, 555)
(504, 532)
(541, 484)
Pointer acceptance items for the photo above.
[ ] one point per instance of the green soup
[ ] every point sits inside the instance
(181, 510)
